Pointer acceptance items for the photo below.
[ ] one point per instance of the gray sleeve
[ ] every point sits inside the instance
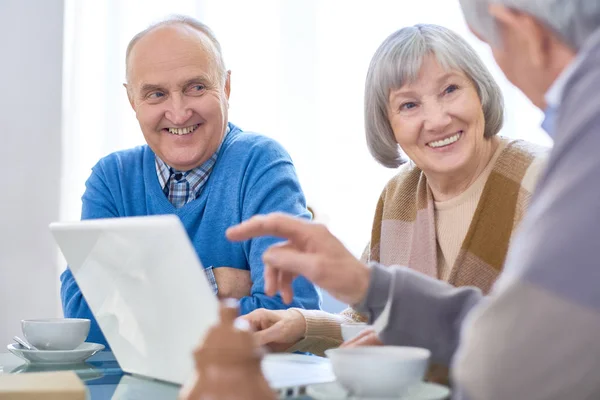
(537, 336)
(424, 312)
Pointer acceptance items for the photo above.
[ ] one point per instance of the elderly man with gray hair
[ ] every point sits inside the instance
(536, 335)
(196, 165)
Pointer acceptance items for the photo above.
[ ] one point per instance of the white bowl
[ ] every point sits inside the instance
(379, 371)
(350, 331)
(56, 333)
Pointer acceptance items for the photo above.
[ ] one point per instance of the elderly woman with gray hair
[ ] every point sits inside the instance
(451, 211)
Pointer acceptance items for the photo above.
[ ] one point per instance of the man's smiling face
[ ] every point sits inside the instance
(179, 94)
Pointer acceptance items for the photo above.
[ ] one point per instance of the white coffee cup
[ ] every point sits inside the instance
(379, 371)
(350, 331)
(56, 333)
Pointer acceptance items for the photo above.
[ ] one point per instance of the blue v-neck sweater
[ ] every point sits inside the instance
(253, 175)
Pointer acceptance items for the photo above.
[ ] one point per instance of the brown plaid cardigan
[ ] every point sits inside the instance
(404, 232)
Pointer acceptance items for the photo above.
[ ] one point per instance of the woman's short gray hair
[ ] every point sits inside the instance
(398, 60)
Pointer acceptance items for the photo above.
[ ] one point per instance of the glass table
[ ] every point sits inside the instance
(103, 378)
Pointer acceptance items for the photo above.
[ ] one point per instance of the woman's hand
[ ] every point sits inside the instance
(368, 337)
(311, 251)
(276, 329)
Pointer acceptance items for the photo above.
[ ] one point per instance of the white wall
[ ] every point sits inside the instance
(31, 41)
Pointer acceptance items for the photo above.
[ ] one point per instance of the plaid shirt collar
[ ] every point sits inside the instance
(181, 187)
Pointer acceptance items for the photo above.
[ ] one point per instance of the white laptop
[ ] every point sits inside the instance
(146, 287)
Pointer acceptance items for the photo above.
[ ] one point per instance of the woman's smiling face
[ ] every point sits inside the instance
(438, 120)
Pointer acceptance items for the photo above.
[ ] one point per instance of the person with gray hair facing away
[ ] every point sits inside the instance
(196, 165)
(451, 211)
(535, 336)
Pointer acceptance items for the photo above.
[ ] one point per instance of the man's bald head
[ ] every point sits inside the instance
(212, 45)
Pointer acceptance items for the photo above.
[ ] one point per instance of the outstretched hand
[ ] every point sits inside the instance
(311, 251)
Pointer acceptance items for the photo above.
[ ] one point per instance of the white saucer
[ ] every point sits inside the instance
(84, 371)
(421, 391)
(81, 353)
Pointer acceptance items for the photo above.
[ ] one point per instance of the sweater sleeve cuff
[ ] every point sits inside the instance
(322, 324)
(322, 332)
(377, 293)
(424, 312)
